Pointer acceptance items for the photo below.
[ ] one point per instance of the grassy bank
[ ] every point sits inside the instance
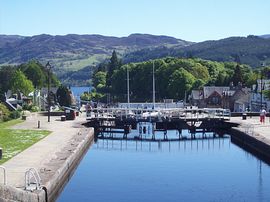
(14, 141)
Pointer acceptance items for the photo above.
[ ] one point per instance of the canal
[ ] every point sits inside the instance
(204, 169)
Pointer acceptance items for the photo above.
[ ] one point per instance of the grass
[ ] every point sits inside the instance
(13, 141)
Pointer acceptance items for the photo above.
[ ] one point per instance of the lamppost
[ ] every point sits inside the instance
(49, 67)
(261, 91)
(262, 85)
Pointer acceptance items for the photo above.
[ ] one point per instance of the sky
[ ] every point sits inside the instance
(191, 20)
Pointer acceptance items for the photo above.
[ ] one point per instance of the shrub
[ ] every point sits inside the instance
(6, 118)
(15, 114)
(27, 107)
(30, 107)
(34, 108)
(4, 113)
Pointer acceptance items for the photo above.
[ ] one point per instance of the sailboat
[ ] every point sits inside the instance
(152, 113)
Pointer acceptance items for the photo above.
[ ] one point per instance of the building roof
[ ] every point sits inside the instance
(209, 90)
(197, 94)
(44, 91)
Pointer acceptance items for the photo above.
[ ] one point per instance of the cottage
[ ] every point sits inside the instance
(233, 98)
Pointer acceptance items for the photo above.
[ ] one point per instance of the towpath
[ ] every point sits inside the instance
(253, 127)
(64, 137)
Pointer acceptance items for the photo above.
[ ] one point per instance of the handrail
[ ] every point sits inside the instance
(35, 171)
(5, 176)
(170, 113)
(36, 177)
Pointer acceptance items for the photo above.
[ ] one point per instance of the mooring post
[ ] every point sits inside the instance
(180, 133)
(165, 134)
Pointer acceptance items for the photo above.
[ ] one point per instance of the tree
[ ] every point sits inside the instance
(63, 95)
(114, 64)
(238, 75)
(180, 82)
(20, 83)
(267, 93)
(33, 72)
(99, 78)
(198, 84)
(6, 73)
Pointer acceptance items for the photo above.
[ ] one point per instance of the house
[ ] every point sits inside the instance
(196, 98)
(42, 97)
(234, 98)
(15, 101)
(209, 96)
(213, 96)
(258, 100)
(240, 100)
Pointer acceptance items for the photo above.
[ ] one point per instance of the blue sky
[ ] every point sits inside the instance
(192, 20)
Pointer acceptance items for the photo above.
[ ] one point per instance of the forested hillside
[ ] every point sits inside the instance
(73, 52)
(75, 57)
(174, 77)
(251, 50)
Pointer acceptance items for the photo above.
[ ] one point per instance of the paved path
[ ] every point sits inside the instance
(39, 155)
(253, 127)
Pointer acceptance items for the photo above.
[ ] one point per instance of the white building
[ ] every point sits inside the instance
(258, 100)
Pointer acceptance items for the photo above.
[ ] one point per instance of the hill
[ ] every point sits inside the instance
(73, 52)
(266, 36)
(251, 50)
(80, 77)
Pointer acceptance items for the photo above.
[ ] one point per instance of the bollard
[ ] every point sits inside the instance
(1, 153)
(38, 125)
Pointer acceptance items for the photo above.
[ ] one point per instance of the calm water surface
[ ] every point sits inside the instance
(198, 170)
(77, 91)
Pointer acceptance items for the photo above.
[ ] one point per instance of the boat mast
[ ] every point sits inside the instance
(154, 92)
(128, 99)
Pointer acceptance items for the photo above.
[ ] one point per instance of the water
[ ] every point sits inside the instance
(77, 91)
(198, 170)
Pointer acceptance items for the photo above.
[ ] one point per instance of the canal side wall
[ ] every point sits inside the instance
(65, 172)
(56, 183)
(254, 142)
(9, 193)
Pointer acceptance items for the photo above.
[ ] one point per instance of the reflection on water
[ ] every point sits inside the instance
(204, 169)
(160, 146)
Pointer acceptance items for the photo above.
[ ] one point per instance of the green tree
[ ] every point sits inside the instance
(20, 83)
(238, 75)
(33, 71)
(200, 72)
(223, 79)
(180, 82)
(267, 93)
(63, 95)
(198, 84)
(99, 79)
(6, 72)
(114, 64)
